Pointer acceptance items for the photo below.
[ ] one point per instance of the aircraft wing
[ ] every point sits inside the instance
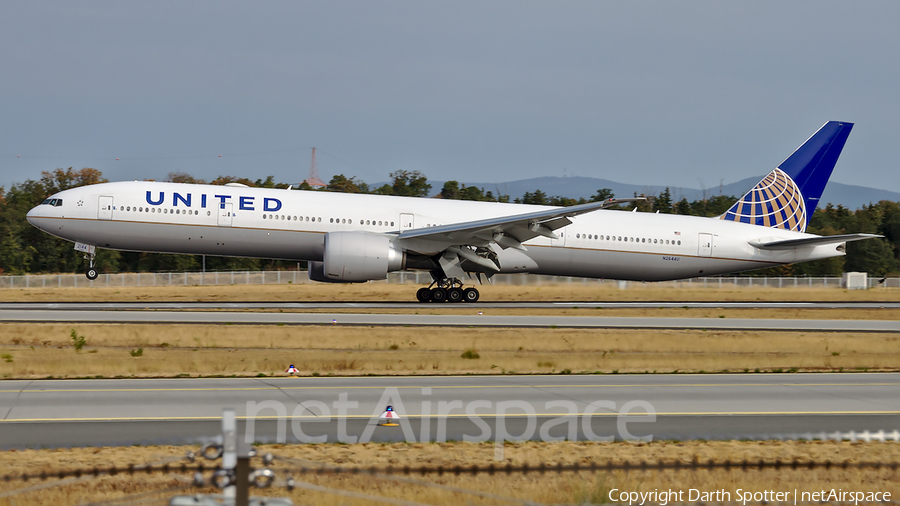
(812, 241)
(506, 231)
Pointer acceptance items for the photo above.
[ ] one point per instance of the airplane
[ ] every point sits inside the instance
(351, 238)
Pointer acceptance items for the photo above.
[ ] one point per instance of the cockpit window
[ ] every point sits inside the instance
(46, 202)
(53, 202)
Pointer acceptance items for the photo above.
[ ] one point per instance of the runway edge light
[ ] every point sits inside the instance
(389, 417)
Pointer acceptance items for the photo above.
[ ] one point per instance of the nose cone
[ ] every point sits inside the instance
(36, 217)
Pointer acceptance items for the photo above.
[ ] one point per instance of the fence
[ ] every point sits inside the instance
(134, 279)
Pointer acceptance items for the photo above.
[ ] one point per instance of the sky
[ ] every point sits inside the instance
(684, 93)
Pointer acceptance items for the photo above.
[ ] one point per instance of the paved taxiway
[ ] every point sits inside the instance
(53, 413)
(99, 306)
(457, 320)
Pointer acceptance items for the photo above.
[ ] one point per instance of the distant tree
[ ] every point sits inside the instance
(384, 189)
(304, 186)
(473, 193)
(873, 256)
(536, 198)
(223, 180)
(183, 177)
(340, 183)
(157, 262)
(409, 184)
(269, 182)
(683, 206)
(663, 202)
(601, 195)
(565, 201)
(713, 206)
(450, 191)
(643, 206)
(59, 179)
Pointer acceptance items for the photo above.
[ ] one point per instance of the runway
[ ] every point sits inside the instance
(55, 413)
(454, 320)
(99, 306)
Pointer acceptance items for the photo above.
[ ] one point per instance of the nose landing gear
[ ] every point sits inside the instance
(449, 290)
(91, 272)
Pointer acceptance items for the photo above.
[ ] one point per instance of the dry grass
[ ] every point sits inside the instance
(546, 488)
(42, 350)
(590, 291)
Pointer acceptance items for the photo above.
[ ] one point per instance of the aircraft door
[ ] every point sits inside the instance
(407, 222)
(105, 208)
(561, 233)
(225, 215)
(706, 245)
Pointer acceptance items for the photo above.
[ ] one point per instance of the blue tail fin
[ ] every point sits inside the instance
(787, 196)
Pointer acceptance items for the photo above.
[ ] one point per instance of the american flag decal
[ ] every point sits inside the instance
(775, 202)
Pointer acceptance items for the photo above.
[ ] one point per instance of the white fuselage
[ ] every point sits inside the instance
(291, 225)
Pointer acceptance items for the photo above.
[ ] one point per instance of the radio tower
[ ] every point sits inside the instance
(313, 179)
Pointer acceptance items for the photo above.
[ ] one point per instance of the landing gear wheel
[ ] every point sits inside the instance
(91, 273)
(438, 295)
(471, 295)
(455, 295)
(423, 295)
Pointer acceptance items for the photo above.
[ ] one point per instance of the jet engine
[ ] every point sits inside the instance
(356, 257)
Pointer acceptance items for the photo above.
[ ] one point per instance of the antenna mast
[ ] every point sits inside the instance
(313, 179)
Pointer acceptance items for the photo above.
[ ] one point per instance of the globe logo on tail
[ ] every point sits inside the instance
(774, 202)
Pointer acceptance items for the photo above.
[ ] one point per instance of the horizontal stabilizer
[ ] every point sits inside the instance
(812, 241)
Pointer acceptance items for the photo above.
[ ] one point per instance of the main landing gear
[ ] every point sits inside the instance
(91, 271)
(447, 290)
